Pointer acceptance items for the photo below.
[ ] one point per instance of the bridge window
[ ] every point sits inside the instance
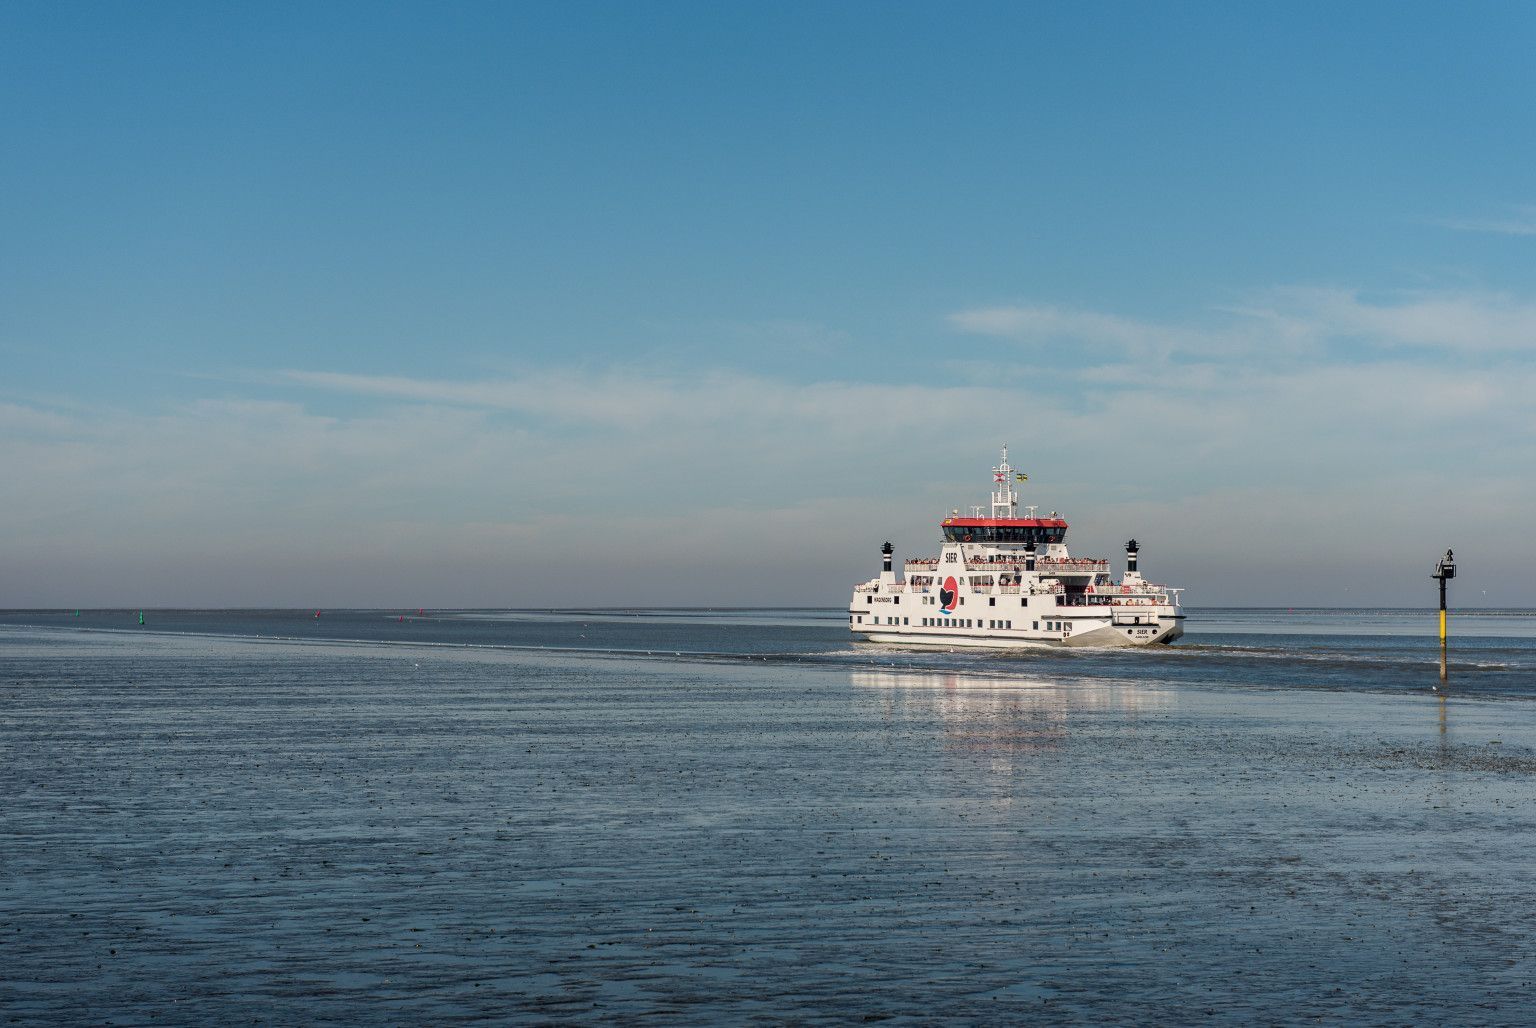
(1003, 534)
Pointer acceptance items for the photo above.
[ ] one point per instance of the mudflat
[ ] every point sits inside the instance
(209, 828)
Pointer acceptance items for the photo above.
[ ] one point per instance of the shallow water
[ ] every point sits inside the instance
(1493, 653)
(230, 816)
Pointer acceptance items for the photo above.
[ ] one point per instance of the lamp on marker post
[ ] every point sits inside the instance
(1445, 568)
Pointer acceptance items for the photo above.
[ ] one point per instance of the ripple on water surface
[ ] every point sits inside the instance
(206, 828)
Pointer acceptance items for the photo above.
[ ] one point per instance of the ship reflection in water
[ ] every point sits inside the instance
(1014, 713)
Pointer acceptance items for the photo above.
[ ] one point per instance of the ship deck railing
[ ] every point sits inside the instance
(1072, 565)
(1106, 596)
(1053, 565)
(1113, 600)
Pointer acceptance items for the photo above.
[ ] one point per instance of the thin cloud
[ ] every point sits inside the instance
(1451, 321)
(1520, 222)
(1043, 324)
(1280, 323)
(461, 487)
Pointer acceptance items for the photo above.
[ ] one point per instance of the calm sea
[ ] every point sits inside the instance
(716, 816)
(1493, 652)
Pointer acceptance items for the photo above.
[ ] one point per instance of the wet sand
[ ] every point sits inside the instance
(213, 829)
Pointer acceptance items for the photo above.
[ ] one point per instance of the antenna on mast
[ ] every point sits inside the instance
(1005, 502)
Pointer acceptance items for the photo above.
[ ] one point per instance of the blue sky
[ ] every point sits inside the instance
(668, 303)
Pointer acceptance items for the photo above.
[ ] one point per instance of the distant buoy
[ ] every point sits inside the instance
(141, 617)
(317, 613)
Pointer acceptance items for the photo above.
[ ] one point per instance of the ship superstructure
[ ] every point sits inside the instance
(1004, 580)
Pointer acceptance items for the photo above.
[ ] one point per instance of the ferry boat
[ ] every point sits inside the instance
(1007, 581)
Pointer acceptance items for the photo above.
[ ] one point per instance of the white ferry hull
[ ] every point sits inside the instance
(1104, 635)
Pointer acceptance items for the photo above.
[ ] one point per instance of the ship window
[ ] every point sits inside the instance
(906, 621)
(991, 601)
(1037, 626)
(869, 599)
(896, 600)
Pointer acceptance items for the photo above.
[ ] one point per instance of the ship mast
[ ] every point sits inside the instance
(1005, 502)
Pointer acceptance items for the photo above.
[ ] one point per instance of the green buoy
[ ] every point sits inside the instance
(141, 617)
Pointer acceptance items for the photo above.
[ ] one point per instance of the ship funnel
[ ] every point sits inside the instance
(1130, 556)
(885, 552)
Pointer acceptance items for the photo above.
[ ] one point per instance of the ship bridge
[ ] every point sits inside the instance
(1005, 525)
(1005, 530)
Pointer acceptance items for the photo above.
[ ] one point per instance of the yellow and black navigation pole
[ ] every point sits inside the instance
(1445, 568)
